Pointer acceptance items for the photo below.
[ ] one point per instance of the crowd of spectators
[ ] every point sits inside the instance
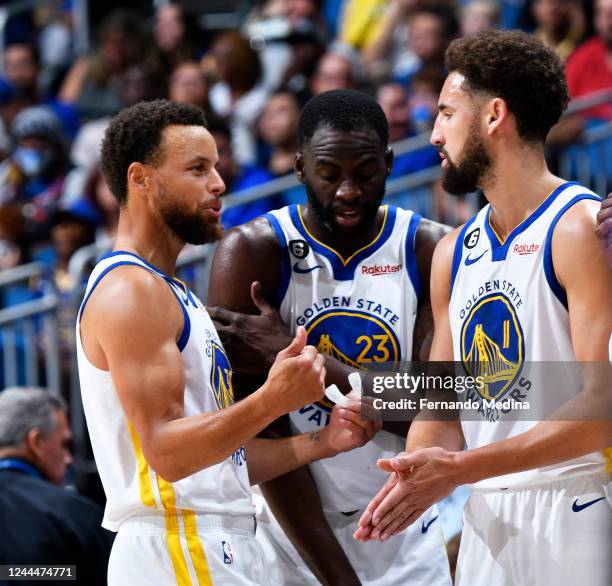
(251, 82)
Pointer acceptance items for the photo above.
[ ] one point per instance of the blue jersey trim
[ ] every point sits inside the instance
(499, 250)
(411, 260)
(549, 269)
(153, 267)
(457, 252)
(184, 337)
(345, 270)
(285, 275)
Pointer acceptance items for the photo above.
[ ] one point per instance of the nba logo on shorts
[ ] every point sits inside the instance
(228, 556)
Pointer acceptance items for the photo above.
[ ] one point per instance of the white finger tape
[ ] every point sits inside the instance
(334, 394)
(355, 382)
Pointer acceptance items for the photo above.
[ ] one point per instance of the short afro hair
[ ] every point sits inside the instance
(518, 68)
(135, 134)
(343, 110)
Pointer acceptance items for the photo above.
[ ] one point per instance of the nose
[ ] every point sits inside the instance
(348, 191)
(437, 138)
(216, 185)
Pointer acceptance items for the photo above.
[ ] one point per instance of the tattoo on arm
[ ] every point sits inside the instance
(314, 436)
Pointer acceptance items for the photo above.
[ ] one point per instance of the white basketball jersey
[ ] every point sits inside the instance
(507, 309)
(360, 310)
(132, 487)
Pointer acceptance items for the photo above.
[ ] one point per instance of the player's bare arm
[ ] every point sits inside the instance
(146, 369)
(269, 458)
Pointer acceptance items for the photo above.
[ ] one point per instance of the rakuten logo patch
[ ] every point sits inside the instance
(376, 270)
(524, 249)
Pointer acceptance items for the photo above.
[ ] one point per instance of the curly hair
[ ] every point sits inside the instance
(135, 134)
(518, 68)
(343, 110)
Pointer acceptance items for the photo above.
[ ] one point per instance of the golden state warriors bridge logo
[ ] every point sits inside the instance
(356, 338)
(221, 377)
(492, 345)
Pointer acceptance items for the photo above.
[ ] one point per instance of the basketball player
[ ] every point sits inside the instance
(168, 440)
(526, 277)
(354, 274)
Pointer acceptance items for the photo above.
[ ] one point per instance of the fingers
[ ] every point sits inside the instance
(221, 315)
(404, 462)
(385, 464)
(604, 225)
(400, 523)
(297, 345)
(392, 520)
(351, 414)
(390, 502)
(368, 514)
(257, 297)
(363, 533)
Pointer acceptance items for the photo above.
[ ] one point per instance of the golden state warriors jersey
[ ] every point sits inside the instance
(360, 310)
(508, 309)
(132, 487)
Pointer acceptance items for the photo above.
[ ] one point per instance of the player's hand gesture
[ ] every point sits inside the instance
(252, 341)
(350, 428)
(423, 478)
(297, 376)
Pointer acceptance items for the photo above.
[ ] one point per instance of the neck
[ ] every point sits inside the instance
(19, 454)
(519, 182)
(149, 239)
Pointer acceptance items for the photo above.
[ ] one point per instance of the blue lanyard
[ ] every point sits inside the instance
(15, 464)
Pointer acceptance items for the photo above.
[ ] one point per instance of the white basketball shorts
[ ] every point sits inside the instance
(555, 533)
(416, 556)
(186, 550)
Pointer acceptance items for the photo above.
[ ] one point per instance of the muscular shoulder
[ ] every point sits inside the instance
(247, 253)
(442, 262)
(131, 300)
(256, 236)
(429, 233)
(427, 236)
(574, 239)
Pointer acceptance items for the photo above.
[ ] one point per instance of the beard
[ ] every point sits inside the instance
(465, 176)
(325, 213)
(189, 228)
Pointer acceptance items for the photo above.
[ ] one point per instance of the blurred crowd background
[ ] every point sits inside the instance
(69, 66)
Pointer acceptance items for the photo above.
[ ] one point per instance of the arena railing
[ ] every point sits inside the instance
(30, 343)
(27, 327)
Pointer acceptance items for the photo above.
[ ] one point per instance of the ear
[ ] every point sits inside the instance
(298, 166)
(33, 442)
(497, 115)
(138, 177)
(389, 160)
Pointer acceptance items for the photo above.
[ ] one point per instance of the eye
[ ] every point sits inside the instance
(366, 174)
(328, 178)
